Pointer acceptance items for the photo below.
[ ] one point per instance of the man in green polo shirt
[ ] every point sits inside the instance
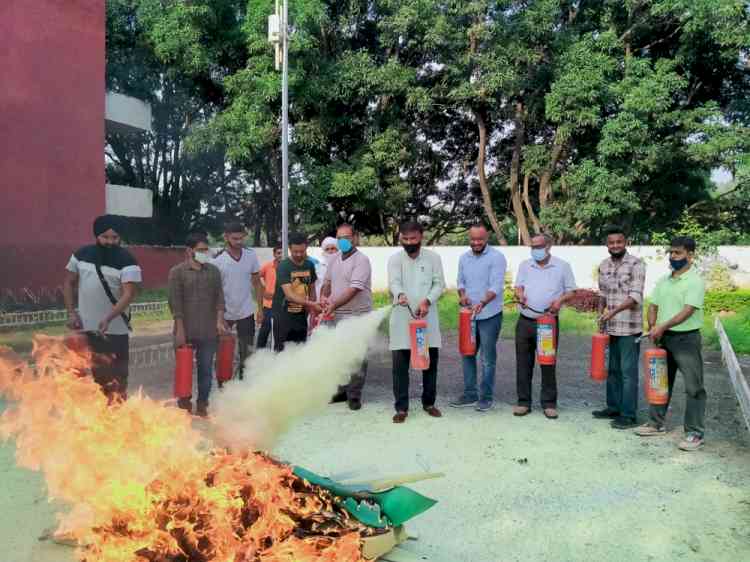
(675, 317)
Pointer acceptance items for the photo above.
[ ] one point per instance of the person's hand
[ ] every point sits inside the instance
(103, 325)
(554, 308)
(523, 300)
(74, 321)
(222, 328)
(314, 307)
(268, 296)
(402, 300)
(424, 308)
(606, 316)
(477, 308)
(656, 333)
(464, 301)
(328, 308)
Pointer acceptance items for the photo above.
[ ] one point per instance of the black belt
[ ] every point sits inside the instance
(680, 333)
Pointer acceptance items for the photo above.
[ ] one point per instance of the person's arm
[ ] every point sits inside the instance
(257, 290)
(436, 288)
(653, 311)
(497, 281)
(129, 290)
(175, 301)
(569, 290)
(463, 300)
(70, 283)
(519, 284)
(395, 281)
(221, 323)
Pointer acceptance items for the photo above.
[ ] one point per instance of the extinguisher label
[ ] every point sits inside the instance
(473, 331)
(658, 375)
(421, 334)
(545, 341)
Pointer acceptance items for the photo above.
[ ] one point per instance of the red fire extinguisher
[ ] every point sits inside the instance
(225, 358)
(546, 340)
(655, 371)
(420, 351)
(183, 371)
(467, 332)
(599, 356)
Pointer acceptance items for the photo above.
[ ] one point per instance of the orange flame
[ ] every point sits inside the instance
(143, 485)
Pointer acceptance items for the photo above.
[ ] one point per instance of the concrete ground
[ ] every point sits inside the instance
(531, 489)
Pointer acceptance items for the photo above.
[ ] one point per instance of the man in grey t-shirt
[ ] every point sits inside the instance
(348, 292)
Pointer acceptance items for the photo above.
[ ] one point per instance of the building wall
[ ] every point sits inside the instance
(52, 135)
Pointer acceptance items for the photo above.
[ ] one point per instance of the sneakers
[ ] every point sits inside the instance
(650, 429)
(484, 406)
(606, 413)
(621, 422)
(692, 442)
(462, 402)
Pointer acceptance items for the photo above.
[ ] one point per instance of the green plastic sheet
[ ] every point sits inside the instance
(380, 509)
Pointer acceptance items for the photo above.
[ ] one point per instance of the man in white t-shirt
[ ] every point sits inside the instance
(243, 292)
(107, 277)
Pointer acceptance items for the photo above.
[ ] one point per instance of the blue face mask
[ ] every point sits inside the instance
(677, 265)
(344, 245)
(538, 254)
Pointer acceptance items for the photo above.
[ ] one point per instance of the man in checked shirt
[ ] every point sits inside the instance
(621, 279)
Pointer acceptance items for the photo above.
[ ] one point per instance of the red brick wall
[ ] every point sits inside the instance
(51, 135)
(156, 261)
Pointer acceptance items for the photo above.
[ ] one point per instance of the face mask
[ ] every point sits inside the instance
(678, 264)
(617, 255)
(201, 257)
(344, 245)
(411, 248)
(538, 254)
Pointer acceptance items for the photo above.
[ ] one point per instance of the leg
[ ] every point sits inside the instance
(614, 376)
(245, 337)
(265, 329)
(279, 327)
(686, 349)
(400, 368)
(297, 335)
(488, 331)
(429, 379)
(629, 351)
(357, 383)
(525, 356)
(469, 364)
(205, 351)
(109, 363)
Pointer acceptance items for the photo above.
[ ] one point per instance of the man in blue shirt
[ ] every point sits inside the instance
(481, 273)
(544, 283)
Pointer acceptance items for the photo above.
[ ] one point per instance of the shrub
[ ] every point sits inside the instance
(733, 301)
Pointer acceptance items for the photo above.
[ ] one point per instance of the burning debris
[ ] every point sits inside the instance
(144, 486)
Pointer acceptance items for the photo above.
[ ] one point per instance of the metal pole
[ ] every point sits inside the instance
(285, 132)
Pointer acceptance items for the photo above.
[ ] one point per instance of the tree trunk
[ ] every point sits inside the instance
(483, 185)
(545, 182)
(529, 207)
(515, 172)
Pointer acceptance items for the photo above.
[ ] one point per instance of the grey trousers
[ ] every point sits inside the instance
(684, 353)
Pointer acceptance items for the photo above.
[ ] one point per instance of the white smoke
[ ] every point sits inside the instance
(296, 382)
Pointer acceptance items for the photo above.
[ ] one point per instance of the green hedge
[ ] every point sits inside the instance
(733, 301)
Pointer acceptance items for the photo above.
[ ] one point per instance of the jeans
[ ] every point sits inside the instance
(622, 375)
(487, 333)
(110, 362)
(245, 336)
(205, 350)
(401, 359)
(525, 358)
(287, 329)
(265, 329)
(684, 353)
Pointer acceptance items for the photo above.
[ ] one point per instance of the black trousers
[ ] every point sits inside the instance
(265, 329)
(401, 359)
(245, 336)
(525, 358)
(285, 330)
(110, 363)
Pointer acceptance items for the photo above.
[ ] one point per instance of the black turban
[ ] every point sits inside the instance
(103, 223)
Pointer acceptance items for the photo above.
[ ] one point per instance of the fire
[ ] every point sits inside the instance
(144, 486)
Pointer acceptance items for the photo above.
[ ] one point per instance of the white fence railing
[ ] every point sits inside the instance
(151, 355)
(26, 319)
(741, 388)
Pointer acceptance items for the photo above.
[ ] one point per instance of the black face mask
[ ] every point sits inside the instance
(617, 255)
(411, 248)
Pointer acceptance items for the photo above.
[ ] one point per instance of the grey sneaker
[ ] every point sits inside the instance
(650, 429)
(692, 442)
(462, 402)
(484, 405)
